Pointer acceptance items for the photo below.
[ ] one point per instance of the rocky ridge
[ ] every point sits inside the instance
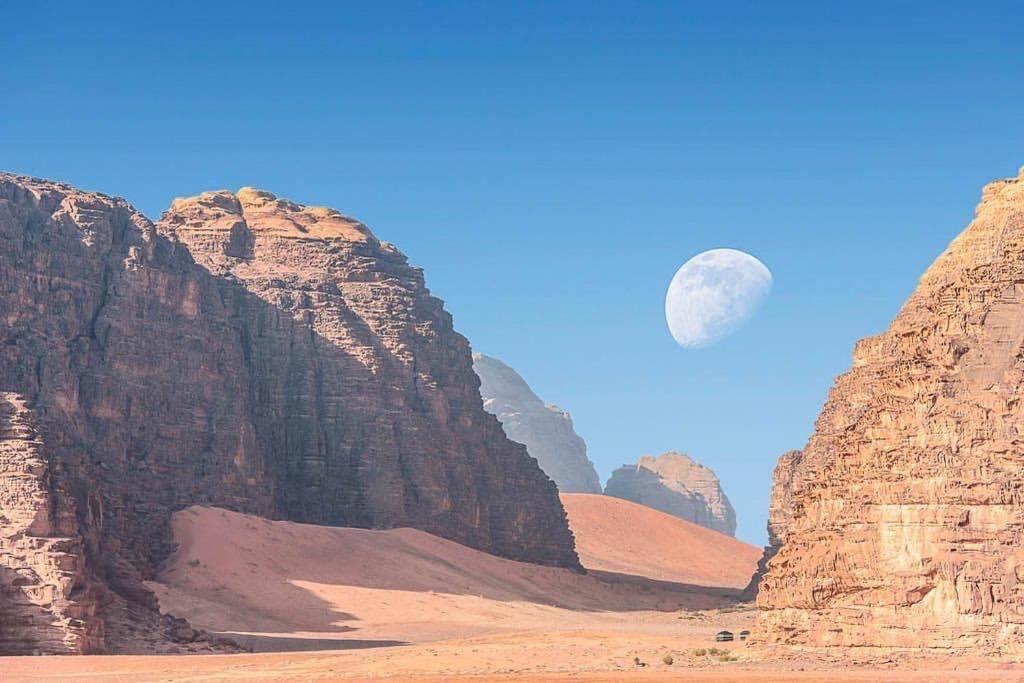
(251, 353)
(901, 523)
(678, 485)
(546, 430)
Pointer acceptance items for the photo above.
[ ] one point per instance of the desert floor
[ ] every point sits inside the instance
(324, 603)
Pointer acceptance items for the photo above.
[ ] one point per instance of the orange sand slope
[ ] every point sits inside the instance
(283, 586)
(294, 586)
(619, 536)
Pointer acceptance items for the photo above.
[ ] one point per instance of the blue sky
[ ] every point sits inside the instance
(551, 165)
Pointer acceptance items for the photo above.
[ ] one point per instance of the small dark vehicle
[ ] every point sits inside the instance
(744, 634)
(723, 637)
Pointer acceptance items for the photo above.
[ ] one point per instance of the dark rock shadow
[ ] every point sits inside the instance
(268, 643)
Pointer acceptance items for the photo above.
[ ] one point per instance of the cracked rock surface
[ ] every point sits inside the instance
(246, 352)
(901, 523)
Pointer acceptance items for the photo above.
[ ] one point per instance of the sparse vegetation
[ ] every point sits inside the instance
(668, 660)
(721, 654)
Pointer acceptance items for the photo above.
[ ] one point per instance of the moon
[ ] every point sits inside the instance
(713, 294)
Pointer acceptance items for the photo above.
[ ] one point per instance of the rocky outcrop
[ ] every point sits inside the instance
(46, 601)
(364, 393)
(678, 485)
(904, 521)
(300, 370)
(545, 430)
(780, 513)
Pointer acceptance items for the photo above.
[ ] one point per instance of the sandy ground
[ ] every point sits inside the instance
(286, 586)
(619, 536)
(322, 603)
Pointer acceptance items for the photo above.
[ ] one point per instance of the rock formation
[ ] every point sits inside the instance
(545, 430)
(300, 370)
(676, 484)
(902, 522)
(780, 512)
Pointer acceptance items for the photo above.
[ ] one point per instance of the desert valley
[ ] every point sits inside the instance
(245, 442)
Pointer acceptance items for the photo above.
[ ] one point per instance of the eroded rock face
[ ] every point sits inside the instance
(780, 515)
(904, 520)
(365, 393)
(47, 604)
(302, 371)
(545, 430)
(678, 485)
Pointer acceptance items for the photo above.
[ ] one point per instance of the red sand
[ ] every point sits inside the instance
(619, 536)
(404, 604)
(281, 585)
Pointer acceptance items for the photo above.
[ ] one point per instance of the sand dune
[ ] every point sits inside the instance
(619, 536)
(286, 586)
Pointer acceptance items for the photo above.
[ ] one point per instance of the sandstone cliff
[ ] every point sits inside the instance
(300, 370)
(780, 514)
(545, 430)
(676, 484)
(904, 524)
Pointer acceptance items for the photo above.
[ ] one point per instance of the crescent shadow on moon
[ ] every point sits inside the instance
(713, 294)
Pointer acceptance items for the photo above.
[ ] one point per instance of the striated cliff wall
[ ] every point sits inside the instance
(299, 370)
(904, 515)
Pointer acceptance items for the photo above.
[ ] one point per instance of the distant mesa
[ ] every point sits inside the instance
(546, 430)
(678, 485)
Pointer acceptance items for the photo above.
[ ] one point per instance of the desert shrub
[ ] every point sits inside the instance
(700, 652)
(668, 659)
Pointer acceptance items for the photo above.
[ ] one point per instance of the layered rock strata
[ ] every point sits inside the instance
(780, 511)
(903, 522)
(300, 370)
(546, 430)
(678, 485)
(46, 601)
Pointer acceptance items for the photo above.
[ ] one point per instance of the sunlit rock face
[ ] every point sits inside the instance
(546, 430)
(780, 512)
(678, 485)
(905, 512)
(248, 353)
